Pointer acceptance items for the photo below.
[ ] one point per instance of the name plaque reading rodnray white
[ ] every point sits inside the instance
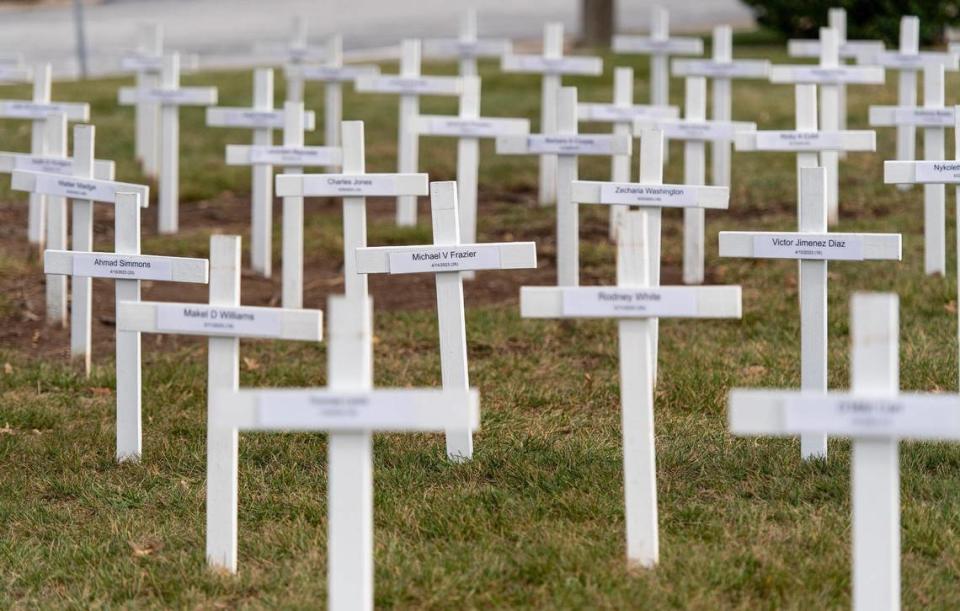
(616, 302)
(815, 246)
(218, 320)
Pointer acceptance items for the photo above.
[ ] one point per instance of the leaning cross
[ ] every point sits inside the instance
(622, 113)
(446, 258)
(721, 70)
(224, 321)
(467, 48)
(127, 267)
(909, 60)
(806, 140)
(333, 74)
(659, 46)
(39, 110)
(293, 156)
(468, 127)
(354, 185)
(636, 304)
(169, 96)
(409, 85)
(350, 410)
(567, 145)
(552, 65)
(928, 173)
(84, 190)
(935, 119)
(695, 130)
(54, 160)
(262, 118)
(813, 247)
(829, 74)
(876, 417)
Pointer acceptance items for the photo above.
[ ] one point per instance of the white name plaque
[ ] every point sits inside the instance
(445, 259)
(842, 247)
(218, 320)
(125, 267)
(614, 302)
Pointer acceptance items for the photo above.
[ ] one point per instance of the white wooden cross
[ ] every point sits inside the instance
(293, 156)
(39, 110)
(622, 113)
(659, 45)
(848, 49)
(54, 160)
(84, 190)
(146, 62)
(468, 127)
(170, 96)
(409, 85)
(807, 141)
(467, 48)
(909, 60)
(224, 321)
(446, 258)
(552, 65)
(695, 130)
(567, 145)
(354, 185)
(813, 247)
(127, 267)
(297, 54)
(350, 410)
(636, 304)
(652, 196)
(721, 70)
(262, 118)
(934, 118)
(876, 416)
(930, 173)
(829, 74)
(333, 74)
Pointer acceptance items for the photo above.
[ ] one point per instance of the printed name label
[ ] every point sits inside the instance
(683, 130)
(614, 114)
(406, 84)
(185, 95)
(938, 171)
(871, 416)
(840, 247)
(538, 63)
(789, 140)
(851, 74)
(47, 165)
(739, 69)
(569, 145)
(139, 63)
(924, 116)
(657, 45)
(644, 195)
(333, 73)
(294, 156)
(445, 259)
(361, 185)
(77, 188)
(218, 320)
(238, 117)
(35, 110)
(489, 128)
(126, 267)
(629, 303)
(916, 61)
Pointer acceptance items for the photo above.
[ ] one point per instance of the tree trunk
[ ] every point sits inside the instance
(597, 22)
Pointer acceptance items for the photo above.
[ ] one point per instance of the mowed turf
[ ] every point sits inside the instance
(536, 519)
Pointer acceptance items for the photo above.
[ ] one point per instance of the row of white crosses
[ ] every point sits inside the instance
(934, 118)
(409, 84)
(567, 146)
(813, 246)
(448, 257)
(876, 416)
(80, 185)
(552, 65)
(637, 301)
(695, 131)
(829, 75)
(263, 119)
(468, 47)
(41, 110)
(169, 96)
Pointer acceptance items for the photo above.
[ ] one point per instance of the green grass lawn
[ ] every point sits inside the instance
(536, 520)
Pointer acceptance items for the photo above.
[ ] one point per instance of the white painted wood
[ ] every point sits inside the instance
(876, 246)
(837, 21)
(297, 53)
(355, 210)
(261, 186)
(620, 164)
(128, 360)
(55, 142)
(934, 195)
(168, 202)
(722, 105)
(291, 290)
(652, 151)
(94, 189)
(450, 308)
(907, 89)
(147, 113)
(568, 223)
(830, 120)
(333, 95)
(81, 304)
(694, 173)
(549, 91)
(408, 150)
(182, 269)
(36, 215)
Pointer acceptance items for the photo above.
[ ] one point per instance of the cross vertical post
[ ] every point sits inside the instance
(830, 120)
(291, 290)
(694, 173)
(568, 222)
(722, 104)
(129, 419)
(333, 94)
(147, 113)
(168, 198)
(934, 194)
(57, 223)
(620, 164)
(408, 149)
(549, 96)
(907, 88)
(261, 196)
(81, 303)
(468, 35)
(42, 85)
(354, 211)
(468, 161)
